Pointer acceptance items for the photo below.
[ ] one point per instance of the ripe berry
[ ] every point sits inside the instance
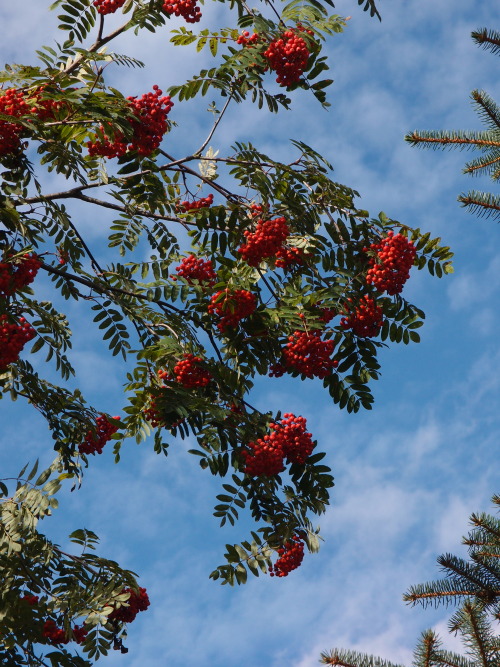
(13, 338)
(266, 241)
(190, 374)
(188, 9)
(245, 38)
(288, 57)
(55, 635)
(95, 442)
(287, 257)
(18, 273)
(390, 269)
(137, 602)
(290, 558)
(233, 307)
(108, 6)
(204, 202)
(16, 103)
(288, 440)
(151, 111)
(194, 268)
(307, 354)
(366, 320)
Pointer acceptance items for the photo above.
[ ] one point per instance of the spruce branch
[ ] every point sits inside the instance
(488, 39)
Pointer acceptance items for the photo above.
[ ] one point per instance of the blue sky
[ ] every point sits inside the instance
(407, 474)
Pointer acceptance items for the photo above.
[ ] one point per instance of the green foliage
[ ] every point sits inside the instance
(71, 123)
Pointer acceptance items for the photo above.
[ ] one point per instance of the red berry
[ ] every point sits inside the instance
(233, 307)
(204, 202)
(288, 440)
(151, 111)
(18, 273)
(194, 268)
(13, 338)
(108, 6)
(290, 558)
(137, 602)
(307, 354)
(390, 269)
(266, 241)
(188, 9)
(95, 442)
(190, 374)
(366, 320)
(288, 57)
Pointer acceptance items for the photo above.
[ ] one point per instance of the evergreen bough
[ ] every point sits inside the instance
(474, 583)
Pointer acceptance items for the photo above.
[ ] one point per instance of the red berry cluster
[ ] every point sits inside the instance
(288, 57)
(108, 6)
(204, 202)
(289, 440)
(193, 268)
(19, 273)
(366, 320)
(234, 307)
(266, 241)
(13, 337)
(57, 635)
(151, 111)
(188, 9)
(190, 374)
(287, 257)
(390, 269)
(153, 416)
(307, 354)
(326, 314)
(290, 558)
(30, 599)
(137, 602)
(95, 442)
(245, 38)
(16, 103)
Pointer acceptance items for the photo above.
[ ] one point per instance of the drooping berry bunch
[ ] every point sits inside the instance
(204, 202)
(267, 239)
(307, 354)
(288, 57)
(94, 442)
(189, 372)
(232, 306)
(289, 256)
(290, 434)
(390, 269)
(13, 338)
(366, 320)
(56, 635)
(19, 273)
(12, 103)
(15, 102)
(137, 602)
(245, 38)
(148, 127)
(188, 9)
(153, 415)
(108, 6)
(290, 558)
(30, 599)
(194, 268)
(288, 441)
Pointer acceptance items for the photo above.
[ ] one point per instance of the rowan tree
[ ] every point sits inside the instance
(283, 274)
